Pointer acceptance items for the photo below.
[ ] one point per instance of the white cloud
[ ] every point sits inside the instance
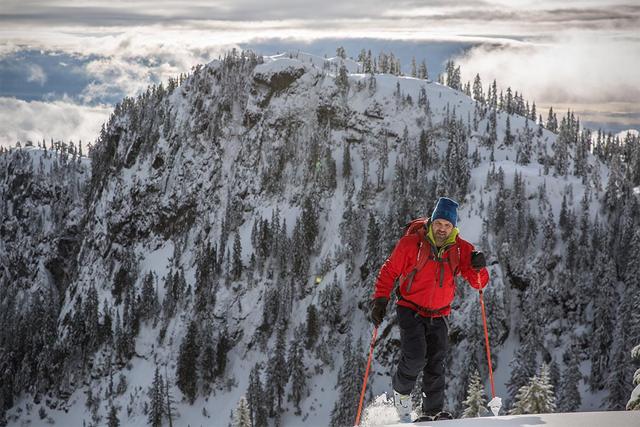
(36, 74)
(60, 120)
(584, 69)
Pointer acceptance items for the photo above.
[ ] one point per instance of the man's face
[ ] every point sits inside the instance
(441, 229)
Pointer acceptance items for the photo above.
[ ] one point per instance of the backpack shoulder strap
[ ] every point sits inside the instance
(419, 227)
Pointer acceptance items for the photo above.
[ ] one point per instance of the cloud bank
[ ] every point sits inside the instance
(596, 76)
(60, 120)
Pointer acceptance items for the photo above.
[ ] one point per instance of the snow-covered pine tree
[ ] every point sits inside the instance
(422, 71)
(372, 249)
(330, 303)
(241, 417)
(207, 359)
(569, 399)
(475, 403)
(149, 305)
(522, 368)
(603, 320)
(237, 267)
(256, 398)
(297, 370)
(277, 372)
(508, 136)
(156, 400)
(312, 327)
(351, 372)
(112, 418)
(537, 397)
(346, 161)
(617, 382)
(552, 121)
(634, 401)
(187, 367)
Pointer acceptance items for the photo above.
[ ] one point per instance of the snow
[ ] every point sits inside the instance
(580, 419)
(623, 134)
(381, 413)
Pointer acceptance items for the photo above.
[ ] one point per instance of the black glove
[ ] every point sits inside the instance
(378, 310)
(478, 260)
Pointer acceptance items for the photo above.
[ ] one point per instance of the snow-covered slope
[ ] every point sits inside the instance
(590, 419)
(235, 220)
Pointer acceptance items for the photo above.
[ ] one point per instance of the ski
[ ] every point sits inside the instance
(442, 415)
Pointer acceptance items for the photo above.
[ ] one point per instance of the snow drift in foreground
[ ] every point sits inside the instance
(381, 413)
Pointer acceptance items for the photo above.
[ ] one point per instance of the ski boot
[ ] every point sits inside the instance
(402, 402)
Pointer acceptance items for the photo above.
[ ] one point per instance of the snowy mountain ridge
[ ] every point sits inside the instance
(235, 220)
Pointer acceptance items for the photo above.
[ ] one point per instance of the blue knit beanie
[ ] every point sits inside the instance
(446, 209)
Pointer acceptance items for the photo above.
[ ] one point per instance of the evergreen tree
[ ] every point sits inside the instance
(508, 136)
(526, 145)
(569, 396)
(112, 419)
(552, 121)
(310, 228)
(425, 153)
(344, 411)
(634, 401)
(330, 303)
(561, 149)
(236, 269)
(342, 80)
(537, 396)
(313, 328)
(329, 181)
(91, 319)
(156, 400)
(615, 189)
(625, 331)
(208, 360)
(298, 373)
(603, 320)
(222, 348)
(475, 403)
(372, 247)
(422, 71)
(186, 370)
(241, 416)
(478, 94)
(346, 161)
(256, 398)
(522, 367)
(277, 372)
(149, 304)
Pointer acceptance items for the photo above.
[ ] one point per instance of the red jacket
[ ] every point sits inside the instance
(433, 287)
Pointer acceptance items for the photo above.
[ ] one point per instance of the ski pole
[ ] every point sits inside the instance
(366, 375)
(486, 342)
(496, 402)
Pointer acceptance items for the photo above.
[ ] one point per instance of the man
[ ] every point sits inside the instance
(426, 261)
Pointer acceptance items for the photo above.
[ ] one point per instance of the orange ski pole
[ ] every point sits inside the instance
(366, 375)
(486, 342)
(496, 402)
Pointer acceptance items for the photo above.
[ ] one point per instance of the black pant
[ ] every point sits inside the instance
(423, 347)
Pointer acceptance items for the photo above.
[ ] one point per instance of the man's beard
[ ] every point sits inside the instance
(440, 238)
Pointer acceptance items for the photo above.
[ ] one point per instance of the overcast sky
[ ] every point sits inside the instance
(61, 58)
